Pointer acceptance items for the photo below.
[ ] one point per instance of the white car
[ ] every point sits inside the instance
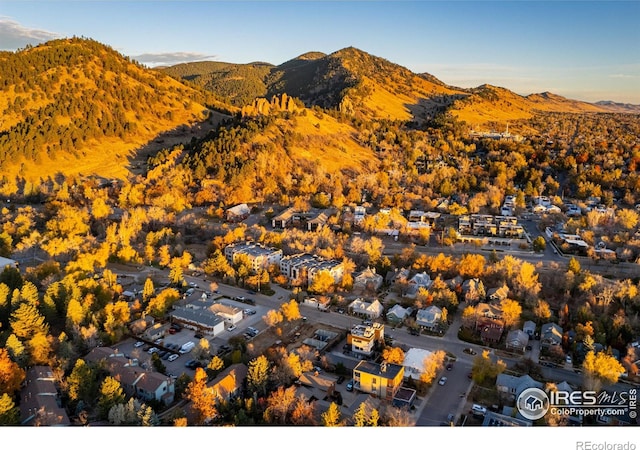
(231, 328)
(442, 381)
(174, 357)
(138, 344)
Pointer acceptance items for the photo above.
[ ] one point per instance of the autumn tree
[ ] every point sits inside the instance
(393, 355)
(600, 369)
(272, 318)
(258, 374)
(133, 413)
(360, 415)
(11, 375)
(303, 413)
(202, 397)
(431, 365)
(82, 383)
(161, 303)
(26, 321)
(322, 283)
(542, 311)
(290, 311)
(485, 369)
(216, 364)
(469, 317)
(511, 311)
(148, 290)
(332, 416)
(472, 266)
(280, 405)
(9, 412)
(111, 394)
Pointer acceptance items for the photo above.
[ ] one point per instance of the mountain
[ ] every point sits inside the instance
(77, 107)
(371, 87)
(619, 107)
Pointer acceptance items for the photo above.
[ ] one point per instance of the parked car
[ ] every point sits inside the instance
(152, 350)
(173, 357)
(350, 386)
(166, 355)
(450, 366)
(138, 344)
(340, 380)
(470, 351)
(249, 312)
(340, 311)
(442, 381)
(231, 328)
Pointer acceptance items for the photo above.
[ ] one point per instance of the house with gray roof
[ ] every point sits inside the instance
(529, 327)
(40, 402)
(397, 314)
(550, 335)
(517, 340)
(511, 386)
(429, 318)
(198, 319)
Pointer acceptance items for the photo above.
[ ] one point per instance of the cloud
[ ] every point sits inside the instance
(169, 59)
(621, 75)
(13, 35)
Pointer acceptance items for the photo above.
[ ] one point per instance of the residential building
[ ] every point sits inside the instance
(135, 380)
(363, 338)
(517, 340)
(429, 318)
(383, 380)
(529, 327)
(397, 314)
(301, 269)
(414, 362)
(322, 304)
(284, 219)
(491, 226)
(489, 322)
(228, 384)
(237, 213)
(367, 280)
(40, 403)
(259, 256)
(498, 294)
(370, 310)
(550, 335)
(510, 386)
(198, 319)
(419, 280)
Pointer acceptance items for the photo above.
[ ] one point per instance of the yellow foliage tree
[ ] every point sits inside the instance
(393, 355)
(600, 369)
(432, 364)
(202, 397)
(290, 311)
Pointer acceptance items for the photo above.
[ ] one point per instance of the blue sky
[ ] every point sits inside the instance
(582, 50)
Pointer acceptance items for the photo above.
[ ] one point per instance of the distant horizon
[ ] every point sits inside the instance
(580, 50)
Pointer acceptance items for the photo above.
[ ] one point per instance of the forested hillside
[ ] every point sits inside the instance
(75, 106)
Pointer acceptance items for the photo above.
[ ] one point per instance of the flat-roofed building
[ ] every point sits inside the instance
(363, 338)
(383, 380)
(259, 256)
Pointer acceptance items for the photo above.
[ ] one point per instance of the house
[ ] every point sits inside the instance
(510, 386)
(301, 269)
(550, 335)
(429, 318)
(231, 314)
(367, 280)
(529, 327)
(155, 331)
(397, 314)
(419, 280)
(228, 384)
(40, 403)
(414, 362)
(237, 213)
(398, 276)
(134, 379)
(321, 304)
(259, 256)
(284, 219)
(363, 338)
(517, 340)
(404, 398)
(138, 326)
(198, 319)
(498, 294)
(369, 310)
(494, 419)
(382, 380)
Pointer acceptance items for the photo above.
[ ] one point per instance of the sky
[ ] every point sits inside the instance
(583, 50)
